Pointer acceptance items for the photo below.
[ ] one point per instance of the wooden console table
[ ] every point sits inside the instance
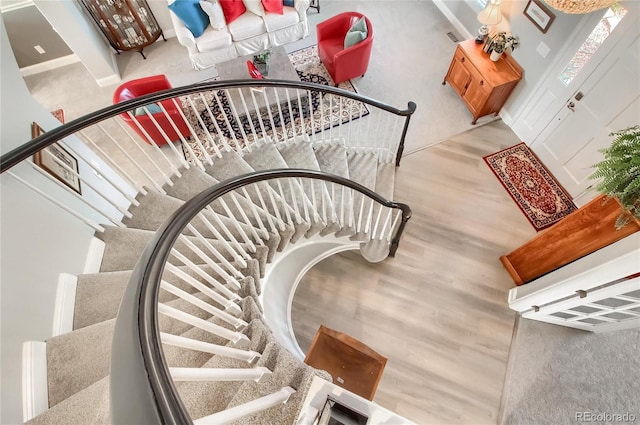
(352, 364)
(580, 233)
(483, 85)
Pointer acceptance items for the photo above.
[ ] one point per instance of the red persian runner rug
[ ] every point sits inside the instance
(540, 197)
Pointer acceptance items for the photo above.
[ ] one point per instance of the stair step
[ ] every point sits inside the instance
(332, 158)
(89, 406)
(155, 209)
(363, 167)
(124, 247)
(78, 359)
(385, 179)
(194, 181)
(287, 371)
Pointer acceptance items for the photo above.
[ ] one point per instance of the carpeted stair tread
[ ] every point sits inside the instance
(98, 295)
(228, 166)
(286, 371)
(78, 359)
(193, 181)
(332, 158)
(385, 180)
(300, 154)
(363, 167)
(123, 248)
(204, 398)
(89, 406)
(267, 157)
(155, 209)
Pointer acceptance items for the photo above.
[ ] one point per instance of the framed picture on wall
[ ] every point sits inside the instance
(539, 14)
(45, 160)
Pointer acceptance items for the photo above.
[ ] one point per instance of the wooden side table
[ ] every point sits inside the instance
(483, 85)
(353, 365)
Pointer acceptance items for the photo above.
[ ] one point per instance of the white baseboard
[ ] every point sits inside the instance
(464, 32)
(170, 33)
(15, 6)
(94, 256)
(49, 65)
(35, 396)
(65, 304)
(109, 81)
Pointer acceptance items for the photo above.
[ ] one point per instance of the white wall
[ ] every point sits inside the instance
(82, 36)
(38, 240)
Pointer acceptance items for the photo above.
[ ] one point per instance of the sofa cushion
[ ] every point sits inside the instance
(191, 14)
(356, 34)
(274, 22)
(246, 26)
(273, 6)
(216, 17)
(232, 9)
(254, 6)
(213, 40)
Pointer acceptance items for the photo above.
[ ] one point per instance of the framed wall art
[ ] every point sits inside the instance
(539, 14)
(45, 160)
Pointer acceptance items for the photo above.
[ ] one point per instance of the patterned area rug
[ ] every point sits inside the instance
(309, 68)
(540, 197)
(59, 114)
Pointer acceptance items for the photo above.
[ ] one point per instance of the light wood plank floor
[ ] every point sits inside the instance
(438, 310)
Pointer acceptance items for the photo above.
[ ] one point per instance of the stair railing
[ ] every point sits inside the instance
(208, 119)
(142, 385)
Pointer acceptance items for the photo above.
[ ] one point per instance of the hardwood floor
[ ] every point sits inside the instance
(437, 310)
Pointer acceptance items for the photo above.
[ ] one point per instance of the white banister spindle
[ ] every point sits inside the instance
(394, 225)
(179, 155)
(219, 350)
(153, 143)
(201, 324)
(194, 134)
(227, 303)
(254, 212)
(125, 152)
(221, 259)
(218, 374)
(96, 189)
(94, 167)
(236, 225)
(221, 138)
(214, 311)
(97, 227)
(81, 198)
(226, 119)
(208, 261)
(87, 141)
(234, 413)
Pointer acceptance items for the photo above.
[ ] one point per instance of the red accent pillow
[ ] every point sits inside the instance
(232, 9)
(273, 6)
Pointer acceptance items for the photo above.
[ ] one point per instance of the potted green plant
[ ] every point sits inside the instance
(502, 42)
(261, 61)
(619, 173)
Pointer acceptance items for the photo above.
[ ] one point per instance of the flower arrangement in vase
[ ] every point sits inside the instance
(500, 43)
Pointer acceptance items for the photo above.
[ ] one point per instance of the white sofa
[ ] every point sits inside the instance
(247, 34)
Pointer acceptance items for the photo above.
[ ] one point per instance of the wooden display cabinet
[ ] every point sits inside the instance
(483, 85)
(127, 24)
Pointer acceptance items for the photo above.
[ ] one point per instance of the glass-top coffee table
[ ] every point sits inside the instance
(280, 68)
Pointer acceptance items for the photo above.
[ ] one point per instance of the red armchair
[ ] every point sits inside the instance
(136, 88)
(343, 64)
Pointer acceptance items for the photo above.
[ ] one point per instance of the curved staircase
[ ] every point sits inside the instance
(187, 318)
